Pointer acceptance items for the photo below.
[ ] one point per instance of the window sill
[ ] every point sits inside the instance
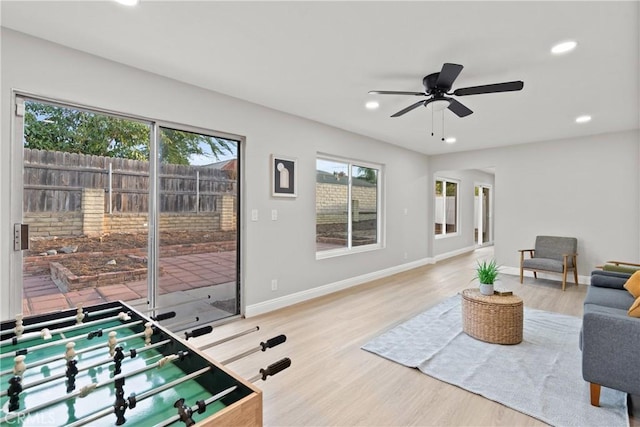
(444, 236)
(332, 253)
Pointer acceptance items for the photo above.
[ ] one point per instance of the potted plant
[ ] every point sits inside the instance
(487, 273)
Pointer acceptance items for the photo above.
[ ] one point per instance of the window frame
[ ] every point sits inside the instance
(350, 249)
(445, 181)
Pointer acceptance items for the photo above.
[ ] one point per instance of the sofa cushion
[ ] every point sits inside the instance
(633, 284)
(607, 297)
(634, 311)
(620, 268)
(543, 264)
(608, 279)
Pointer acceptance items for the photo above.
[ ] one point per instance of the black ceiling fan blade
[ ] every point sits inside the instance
(458, 109)
(394, 92)
(493, 88)
(448, 75)
(409, 108)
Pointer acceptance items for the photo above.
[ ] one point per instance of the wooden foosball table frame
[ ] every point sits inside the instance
(242, 407)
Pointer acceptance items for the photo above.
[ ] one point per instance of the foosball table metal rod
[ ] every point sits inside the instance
(132, 352)
(86, 390)
(150, 310)
(66, 340)
(134, 399)
(229, 338)
(63, 320)
(185, 412)
(84, 350)
(262, 347)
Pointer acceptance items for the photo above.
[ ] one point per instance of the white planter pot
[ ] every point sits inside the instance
(486, 289)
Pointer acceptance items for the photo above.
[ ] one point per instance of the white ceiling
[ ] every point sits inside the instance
(319, 59)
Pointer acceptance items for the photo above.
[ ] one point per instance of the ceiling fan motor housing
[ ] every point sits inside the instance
(430, 87)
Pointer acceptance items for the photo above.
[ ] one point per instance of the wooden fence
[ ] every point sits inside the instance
(53, 182)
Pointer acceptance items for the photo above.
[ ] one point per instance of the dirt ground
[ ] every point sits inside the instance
(116, 241)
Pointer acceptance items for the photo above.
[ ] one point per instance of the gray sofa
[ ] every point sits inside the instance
(610, 338)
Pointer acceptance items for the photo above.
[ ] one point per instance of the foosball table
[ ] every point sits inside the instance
(109, 364)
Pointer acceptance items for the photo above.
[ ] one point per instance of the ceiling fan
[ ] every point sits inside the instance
(437, 85)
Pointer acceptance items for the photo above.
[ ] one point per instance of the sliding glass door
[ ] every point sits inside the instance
(120, 208)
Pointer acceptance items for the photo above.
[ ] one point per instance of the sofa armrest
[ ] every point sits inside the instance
(610, 343)
(609, 279)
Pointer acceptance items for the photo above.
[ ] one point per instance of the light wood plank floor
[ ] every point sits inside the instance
(332, 382)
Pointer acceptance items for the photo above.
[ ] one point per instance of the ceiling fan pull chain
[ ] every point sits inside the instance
(431, 121)
(442, 125)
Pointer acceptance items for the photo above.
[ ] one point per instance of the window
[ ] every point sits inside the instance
(347, 206)
(446, 202)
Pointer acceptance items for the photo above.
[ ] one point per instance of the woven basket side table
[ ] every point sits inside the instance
(492, 318)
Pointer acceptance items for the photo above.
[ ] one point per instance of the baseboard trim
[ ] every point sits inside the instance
(457, 252)
(298, 297)
(557, 277)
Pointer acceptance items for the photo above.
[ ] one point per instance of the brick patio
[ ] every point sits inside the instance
(183, 272)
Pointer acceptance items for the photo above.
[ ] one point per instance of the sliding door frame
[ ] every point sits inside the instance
(16, 197)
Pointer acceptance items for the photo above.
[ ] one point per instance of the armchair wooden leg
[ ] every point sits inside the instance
(564, 279)
(575, 276)
(535, 274)
(594, 389)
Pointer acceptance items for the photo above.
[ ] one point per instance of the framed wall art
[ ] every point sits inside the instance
(283, 176)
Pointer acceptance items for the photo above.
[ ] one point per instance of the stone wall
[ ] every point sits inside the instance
(331, 199)
(93, 221)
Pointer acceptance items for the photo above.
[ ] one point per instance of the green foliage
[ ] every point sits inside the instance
(487, 272)
(49, 127)
(368, 174)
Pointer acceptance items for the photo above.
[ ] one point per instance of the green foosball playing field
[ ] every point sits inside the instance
(114, 368)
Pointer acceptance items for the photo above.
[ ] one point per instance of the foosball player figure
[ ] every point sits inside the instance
(19, 329)
(184, 412)
(120, 405)
(15, 388)
(117, 359)
(72, 371)
(112, 342)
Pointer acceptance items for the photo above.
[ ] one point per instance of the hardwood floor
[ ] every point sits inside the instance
(333, 382)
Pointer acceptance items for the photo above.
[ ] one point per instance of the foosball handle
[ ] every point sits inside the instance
(198, 332)
(164, 316)
(274, 368)
(184, 412)
(273, 342)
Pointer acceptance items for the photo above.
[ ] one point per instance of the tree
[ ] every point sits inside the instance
(49, 127)
(368, 174)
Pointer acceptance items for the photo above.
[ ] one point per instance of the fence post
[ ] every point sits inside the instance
(227, 217)
(197, 191)
(92, 211)
(110, 188)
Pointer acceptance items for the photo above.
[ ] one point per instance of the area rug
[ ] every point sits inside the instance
(540, 377)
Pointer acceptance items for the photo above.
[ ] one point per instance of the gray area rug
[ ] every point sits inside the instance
(540, 377)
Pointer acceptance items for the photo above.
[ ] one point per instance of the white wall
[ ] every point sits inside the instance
(283, 249)
(464, 240)
(587, 188)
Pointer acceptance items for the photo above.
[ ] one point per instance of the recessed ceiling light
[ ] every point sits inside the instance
(372, 105)
(128, 2)
(450, 140)
(564, 47)
(583, 119)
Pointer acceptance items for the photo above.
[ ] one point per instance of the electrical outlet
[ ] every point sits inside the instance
(274, 284)
(274, 214)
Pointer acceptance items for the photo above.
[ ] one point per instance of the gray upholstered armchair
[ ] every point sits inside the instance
(551, 253)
